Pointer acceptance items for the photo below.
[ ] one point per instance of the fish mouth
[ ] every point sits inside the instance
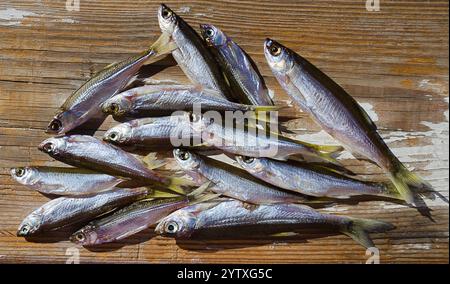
(24, 230)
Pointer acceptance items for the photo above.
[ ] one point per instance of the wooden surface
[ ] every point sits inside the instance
(394, 62)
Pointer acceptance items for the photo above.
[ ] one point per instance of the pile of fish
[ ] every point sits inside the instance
(118, 186)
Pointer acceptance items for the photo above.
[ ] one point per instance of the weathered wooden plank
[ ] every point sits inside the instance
(394, 62)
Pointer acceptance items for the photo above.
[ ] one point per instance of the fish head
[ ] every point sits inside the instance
(186, 159)
(53, 146)
(119, 134)
(250, 164)
(24, 175)
(278, 57)
(167, 19)
(179, 224)
(85, 236)
(29, 225)
(62, 122)
(212, 35)
(118, 105)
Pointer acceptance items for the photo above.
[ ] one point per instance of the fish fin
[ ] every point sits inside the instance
(326, 152)
(402, 178)
(171, 46)
(178, 184)
(331, 150)
(201, 189)
(152, 162)
(265, 108)
(359, 229)
(284, 234)
(163, 40)
(161, 194)
(204, 198)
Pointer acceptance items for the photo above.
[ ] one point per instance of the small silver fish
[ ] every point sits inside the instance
(246, 81)
(64, 181)
(338, 114)
(84, 104)
(64, 211)
(154, 100)
(88, 152)
(218, 218)
(233, 182)
(192, 55)
(313, 180)
(127, 221)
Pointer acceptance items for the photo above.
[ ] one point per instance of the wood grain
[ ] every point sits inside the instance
(394, 62)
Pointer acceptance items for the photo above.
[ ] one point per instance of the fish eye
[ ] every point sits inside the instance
(20, 172)
(114, 107)
(275, 50)
(184, 155)
(49, 147)
(248, 160)
(209, 32)
(55, 125)
(166, 13)
(113, 136)
(171, 227)
(80, 237)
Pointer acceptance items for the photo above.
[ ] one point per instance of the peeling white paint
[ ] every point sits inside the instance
(13, 17)
(65, 20)
(435, 87)
(370, 110)
(184, 9)
(414, 246)
(271, 93)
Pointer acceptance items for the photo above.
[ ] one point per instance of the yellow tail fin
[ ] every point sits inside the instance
(359, 229)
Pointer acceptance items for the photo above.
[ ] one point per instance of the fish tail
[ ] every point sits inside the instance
(389, 190)
(403, 180)
(359, 229)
